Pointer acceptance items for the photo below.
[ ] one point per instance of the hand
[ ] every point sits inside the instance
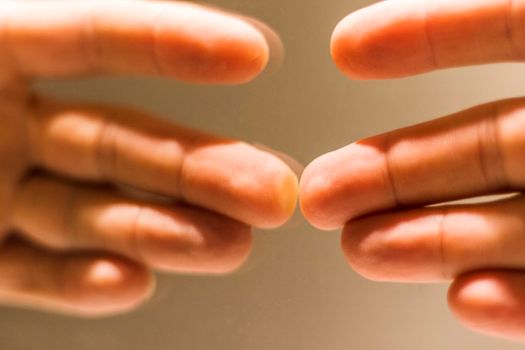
(64, 164)
(378, 188)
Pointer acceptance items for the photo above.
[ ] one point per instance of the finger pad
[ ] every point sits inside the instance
(192, 241)
(384, 40)
(344, 184)
(209, 47)
(490, 302)
(394, 248)
(105, 285)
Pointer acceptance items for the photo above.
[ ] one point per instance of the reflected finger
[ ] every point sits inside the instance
(172, 39)
(128, 147)
(175, 238)
(82, 284)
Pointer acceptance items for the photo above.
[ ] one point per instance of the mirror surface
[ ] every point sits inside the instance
(296, 291)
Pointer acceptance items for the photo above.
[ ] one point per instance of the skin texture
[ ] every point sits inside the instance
(378, 190)
(95, 197)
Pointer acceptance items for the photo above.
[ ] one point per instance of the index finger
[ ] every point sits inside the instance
(171, 39)
(471, 153)
(398, 38)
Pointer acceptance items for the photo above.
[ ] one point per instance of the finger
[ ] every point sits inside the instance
(439, 243)
(491, 302)
(175, 238)
(172, 39)
(404, 37)
(128, 147)
(79, 284)
(471, 153)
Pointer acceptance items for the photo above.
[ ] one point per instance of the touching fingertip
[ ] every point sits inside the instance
(285, 194)
(316, 188)
(345, 184)
(278, 202)
(290, 190)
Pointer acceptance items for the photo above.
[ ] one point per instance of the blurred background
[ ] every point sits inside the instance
(296, 292)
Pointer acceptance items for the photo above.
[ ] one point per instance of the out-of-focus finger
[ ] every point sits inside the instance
(171, 39)
(174, 238)
(82, 284)
(128, 147)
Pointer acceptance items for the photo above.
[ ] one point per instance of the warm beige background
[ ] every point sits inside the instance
(296, 292)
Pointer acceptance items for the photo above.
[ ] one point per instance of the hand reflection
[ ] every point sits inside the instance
(64, 164)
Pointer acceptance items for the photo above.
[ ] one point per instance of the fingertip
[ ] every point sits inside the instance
(345, 50)
(236, 249)
(287, 193)
(476, 300)
(252, 56)
(228, 245)
(365, 253)
(315, 195)
(382, 41)
(394, 248)
(105, 286)
(345, 184)
(275, 188)
(286, 187)
(278, 199)
(207, 46)
(276, 51)
(189, 240)
(341, 185)
(240, 181)
(355, 49)
(490, 302)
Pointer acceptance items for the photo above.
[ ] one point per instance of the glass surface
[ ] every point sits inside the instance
(296, 291)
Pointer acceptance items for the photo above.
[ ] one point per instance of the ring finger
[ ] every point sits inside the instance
(178, 238)
(438, 243)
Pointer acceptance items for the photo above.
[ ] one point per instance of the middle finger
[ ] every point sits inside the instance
(128, 147)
